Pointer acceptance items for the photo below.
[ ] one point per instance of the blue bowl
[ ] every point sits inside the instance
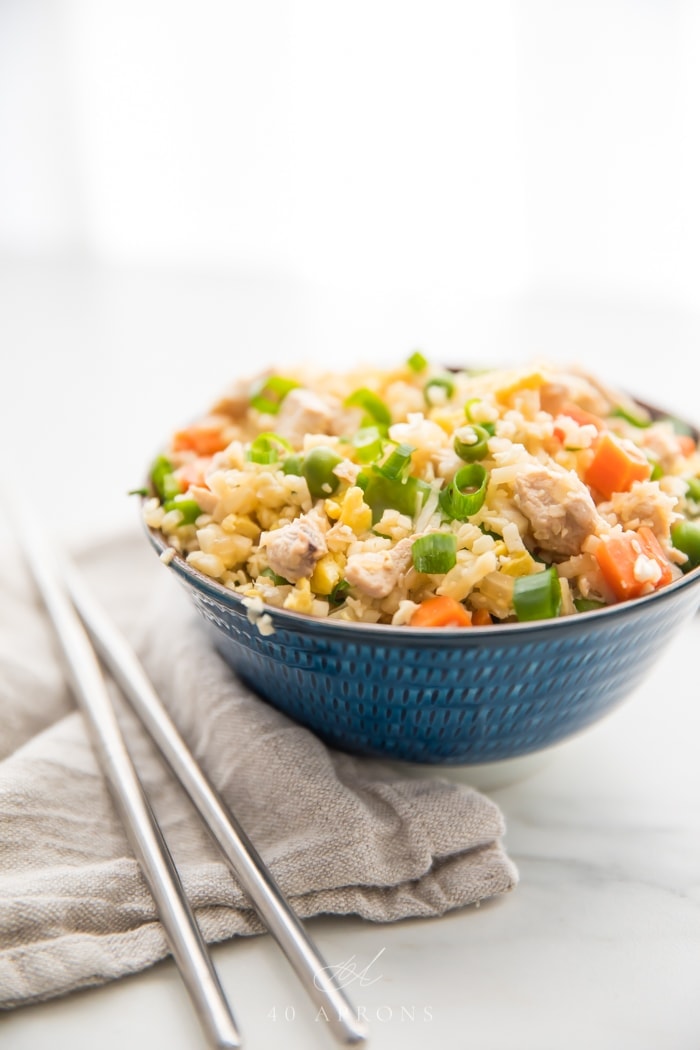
(443, 695)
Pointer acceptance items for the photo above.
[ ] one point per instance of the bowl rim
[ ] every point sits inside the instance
(238, 603)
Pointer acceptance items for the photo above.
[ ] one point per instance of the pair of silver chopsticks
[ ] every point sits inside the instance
(78, 620)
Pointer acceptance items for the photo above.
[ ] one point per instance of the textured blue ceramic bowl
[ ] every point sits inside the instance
(443, 695)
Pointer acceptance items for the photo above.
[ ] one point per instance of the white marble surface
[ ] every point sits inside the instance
(599, 945)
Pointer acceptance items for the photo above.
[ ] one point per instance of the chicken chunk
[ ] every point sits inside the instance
(303, 412)
(376, 573)
(235, 400)
(293, 550)
(559, 507)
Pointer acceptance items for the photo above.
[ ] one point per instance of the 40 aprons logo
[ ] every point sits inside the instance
(352, 973)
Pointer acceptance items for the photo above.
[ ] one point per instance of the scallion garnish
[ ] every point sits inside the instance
(188, 507)
(443, 383)
(267, 447)
(376, 412)
(471, 443)
(587, 604)
(435, 553)
(693, 489)
(269, 392)
(164, 481)
(416, 362)
(490, 428)
(279, 581)
(538, 596)
(657, 471)
(382, 493)
(368, 444)
(397, 465)
(636, 420)
(466, 492)
(339, 593)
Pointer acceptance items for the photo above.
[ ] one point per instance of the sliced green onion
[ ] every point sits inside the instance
(137, 492)
(279, 581)
(266, 448)
(416, 362)
(693, 489)
(489, 532)
(269, 392)
(438, 383)
(587, 604)
(685, 536)
(382, 493)
(398, 465)
(538, 596)
(339, 593)
(466, 492)
(435, 553)
(368, 444)
(188, 507)
(292, 465)
(636, 420)
(375, 409)
(472, 442)
(164, 481)
(317, 468)
(657, 471)
(490, 428)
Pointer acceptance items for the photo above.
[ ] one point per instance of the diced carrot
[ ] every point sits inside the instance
(193, 473)
(618, 558)
(481, 617)
(686, 444)
(581, 416)
(441, 612)
(203, 438)
(616, 466)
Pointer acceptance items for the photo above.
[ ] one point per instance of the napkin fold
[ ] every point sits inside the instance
(342, 835)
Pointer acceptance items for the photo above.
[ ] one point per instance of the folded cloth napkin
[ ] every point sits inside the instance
(342, 835)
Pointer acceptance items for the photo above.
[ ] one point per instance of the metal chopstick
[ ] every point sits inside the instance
(186, 942)
(245, 862)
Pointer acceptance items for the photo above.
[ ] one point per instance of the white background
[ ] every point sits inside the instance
(495, 149)
(190, 191)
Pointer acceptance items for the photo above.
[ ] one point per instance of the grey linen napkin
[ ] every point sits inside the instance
(342, 835)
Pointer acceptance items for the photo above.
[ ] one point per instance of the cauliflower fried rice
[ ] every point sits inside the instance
(415, 496)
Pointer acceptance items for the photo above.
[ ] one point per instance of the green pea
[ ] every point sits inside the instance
(685, 536)
(292, 465)
(317, 468)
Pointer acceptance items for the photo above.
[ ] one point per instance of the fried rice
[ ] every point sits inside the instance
(419, 496)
